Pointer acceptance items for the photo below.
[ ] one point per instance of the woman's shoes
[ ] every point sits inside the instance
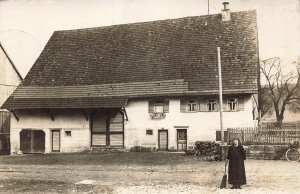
(236, 187)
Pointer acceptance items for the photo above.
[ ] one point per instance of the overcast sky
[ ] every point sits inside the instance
(26, 25)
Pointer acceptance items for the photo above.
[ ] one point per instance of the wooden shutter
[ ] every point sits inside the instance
(151, 106)
(225, 104)
(99, 122)
(99, 139)
(116, 135)
(182, 105)
(202, 104)
(116, 139)
(166, 106)
(116, 123)
(241, 104)
(218, 105)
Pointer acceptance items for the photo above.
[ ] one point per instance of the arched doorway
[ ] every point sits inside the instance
(32, 141)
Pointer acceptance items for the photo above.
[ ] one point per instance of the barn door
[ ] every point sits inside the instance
(32, 141)
(55, 140)
(181, 139)
(163, 140)
(108, 128)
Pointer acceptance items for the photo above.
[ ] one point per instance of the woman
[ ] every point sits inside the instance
(236, 171)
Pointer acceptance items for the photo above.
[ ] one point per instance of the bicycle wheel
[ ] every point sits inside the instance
(292, 155)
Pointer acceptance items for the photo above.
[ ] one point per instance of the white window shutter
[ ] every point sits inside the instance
(202, 105)
(182, 105)
(151, 106)
(218, 105)
(166, 106)
(225, 105)
(241, 104)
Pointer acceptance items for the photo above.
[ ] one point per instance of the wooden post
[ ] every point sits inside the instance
(220, 95)
(208, 7)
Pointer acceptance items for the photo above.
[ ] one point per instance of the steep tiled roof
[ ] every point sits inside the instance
(150, 52)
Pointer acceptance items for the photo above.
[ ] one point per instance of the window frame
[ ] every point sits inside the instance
(188, 103)
(230, 102)
(149, 131)
(158, 103)
(209, 103)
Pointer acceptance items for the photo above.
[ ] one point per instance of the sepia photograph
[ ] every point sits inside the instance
(150, 96)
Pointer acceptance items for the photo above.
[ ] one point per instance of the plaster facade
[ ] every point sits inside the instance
(199, 125)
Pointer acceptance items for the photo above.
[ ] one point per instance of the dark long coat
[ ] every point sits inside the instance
(236, 169)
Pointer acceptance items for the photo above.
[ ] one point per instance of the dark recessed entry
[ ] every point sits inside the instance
(32, 141)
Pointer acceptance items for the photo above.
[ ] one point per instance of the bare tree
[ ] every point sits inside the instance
(266, 105)
(282, 88)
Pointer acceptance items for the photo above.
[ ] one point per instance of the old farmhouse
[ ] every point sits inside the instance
(10, 78)
(151, 84)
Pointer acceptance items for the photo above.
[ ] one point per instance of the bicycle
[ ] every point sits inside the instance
(293, 153)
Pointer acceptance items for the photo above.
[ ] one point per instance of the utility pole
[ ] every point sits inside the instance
(207, 7)
(220, 95)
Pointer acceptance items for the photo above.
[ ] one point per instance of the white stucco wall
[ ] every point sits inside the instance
(199, 125)
(69, 120)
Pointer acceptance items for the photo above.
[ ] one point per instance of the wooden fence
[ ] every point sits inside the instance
(265, 135)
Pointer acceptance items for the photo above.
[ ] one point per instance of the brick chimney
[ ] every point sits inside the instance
(226, 12)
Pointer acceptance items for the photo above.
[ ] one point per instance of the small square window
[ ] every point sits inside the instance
(232, 104)
(68, 133)
(149, 132)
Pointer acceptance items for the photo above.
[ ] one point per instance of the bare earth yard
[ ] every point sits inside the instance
(138, 173)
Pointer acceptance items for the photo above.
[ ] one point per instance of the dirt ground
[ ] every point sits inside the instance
(138, 173)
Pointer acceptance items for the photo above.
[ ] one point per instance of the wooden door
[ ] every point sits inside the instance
(55, 140)
(108, 128)
(25, 141)
(32, 141)
(163, 140)
(181, 139)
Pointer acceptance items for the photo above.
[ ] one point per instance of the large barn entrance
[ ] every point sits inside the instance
(108, 128)
(32, 141)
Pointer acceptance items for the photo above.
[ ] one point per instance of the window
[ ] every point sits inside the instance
(149, 132)
(68, 133)
(211, 105)
(232, 104)
(158, 107)
(191, 105)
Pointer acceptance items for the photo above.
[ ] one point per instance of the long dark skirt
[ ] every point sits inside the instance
(236, 169)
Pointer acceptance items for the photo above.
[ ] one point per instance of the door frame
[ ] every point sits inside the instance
(107, 129)
(32, 140)
(52, 130)
(161, 130)
(186, 137)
